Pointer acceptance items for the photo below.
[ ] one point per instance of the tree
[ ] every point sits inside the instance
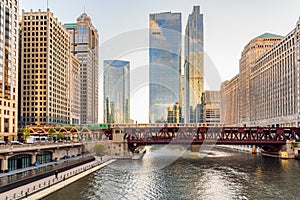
(60, 136)
(51, 132)
(99, 149)
(26, 133)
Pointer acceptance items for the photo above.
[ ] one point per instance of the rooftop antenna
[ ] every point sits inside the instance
(84, 6)
(47, 4)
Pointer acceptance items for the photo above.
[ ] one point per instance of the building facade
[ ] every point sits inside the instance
(230, 101)
(252, 51)
(194, 66)
(236, 95)
(174, 113)
(272, 94)
(274, 84)
(75, 103)
(8, 68)
(211, 107)
(44, 69)
(84, 46)
(164, 64)
(116, 87)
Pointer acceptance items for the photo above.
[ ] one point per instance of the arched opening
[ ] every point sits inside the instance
(19, 161)
(44, 157)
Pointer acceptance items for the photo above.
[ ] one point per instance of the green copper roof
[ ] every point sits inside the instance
(269, 35)
(73, 25)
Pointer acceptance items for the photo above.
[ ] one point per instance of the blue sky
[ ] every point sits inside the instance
(228, 26)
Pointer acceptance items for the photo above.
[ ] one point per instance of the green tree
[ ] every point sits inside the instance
(60, 136)
(99, 149)
(51, 132)
(26, 133)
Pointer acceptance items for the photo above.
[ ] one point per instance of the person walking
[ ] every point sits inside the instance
(56, 174)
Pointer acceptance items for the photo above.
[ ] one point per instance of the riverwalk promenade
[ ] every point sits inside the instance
(55, 181)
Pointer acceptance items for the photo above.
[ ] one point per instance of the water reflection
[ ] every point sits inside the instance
(221, 174)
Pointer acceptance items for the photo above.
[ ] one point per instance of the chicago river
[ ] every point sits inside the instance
(172, 172)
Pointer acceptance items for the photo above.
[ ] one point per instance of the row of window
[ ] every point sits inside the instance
(26, 61)
(37, 44)
(34, 23)
(35, 112)
(7, 112)
(35, 50)
(35, 17)
(44, 119)
(36, 38)
(8, 103)
(35, 71)
(35, 76)
(35, 82)
(29, 66)
(34, 98)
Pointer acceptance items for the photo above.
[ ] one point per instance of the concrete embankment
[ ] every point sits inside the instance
(44, 187)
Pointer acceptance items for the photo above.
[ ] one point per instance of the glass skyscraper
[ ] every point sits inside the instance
(194, 67)
(116, 89)
(164, 64)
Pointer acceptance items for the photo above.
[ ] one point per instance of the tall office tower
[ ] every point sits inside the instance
(164, 55)
(116, 91)
(44, 69)
(75, 103)
(8, 68)
(252, 51)
(84, 45)
(194, 67)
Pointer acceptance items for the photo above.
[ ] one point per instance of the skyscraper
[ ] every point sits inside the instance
(164, 65)
(8, 68)
(75, 102)
(44, 69)
(84, 45)
(116, 91)
(194, 67)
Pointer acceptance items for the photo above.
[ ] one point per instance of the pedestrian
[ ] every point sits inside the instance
(56, 174)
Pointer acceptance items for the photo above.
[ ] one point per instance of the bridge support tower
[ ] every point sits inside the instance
(287, 150)
(119, 145)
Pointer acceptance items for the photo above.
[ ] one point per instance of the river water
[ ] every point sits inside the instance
(172, 172)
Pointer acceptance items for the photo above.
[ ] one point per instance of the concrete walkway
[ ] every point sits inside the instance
(16, 175)
(46, 186)
(17, 171)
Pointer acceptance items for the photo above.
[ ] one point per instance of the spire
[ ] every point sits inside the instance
(84, 6)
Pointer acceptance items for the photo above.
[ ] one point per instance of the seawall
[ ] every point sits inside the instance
(44, 187)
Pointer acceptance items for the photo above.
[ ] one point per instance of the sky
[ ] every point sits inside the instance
(228, 27)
